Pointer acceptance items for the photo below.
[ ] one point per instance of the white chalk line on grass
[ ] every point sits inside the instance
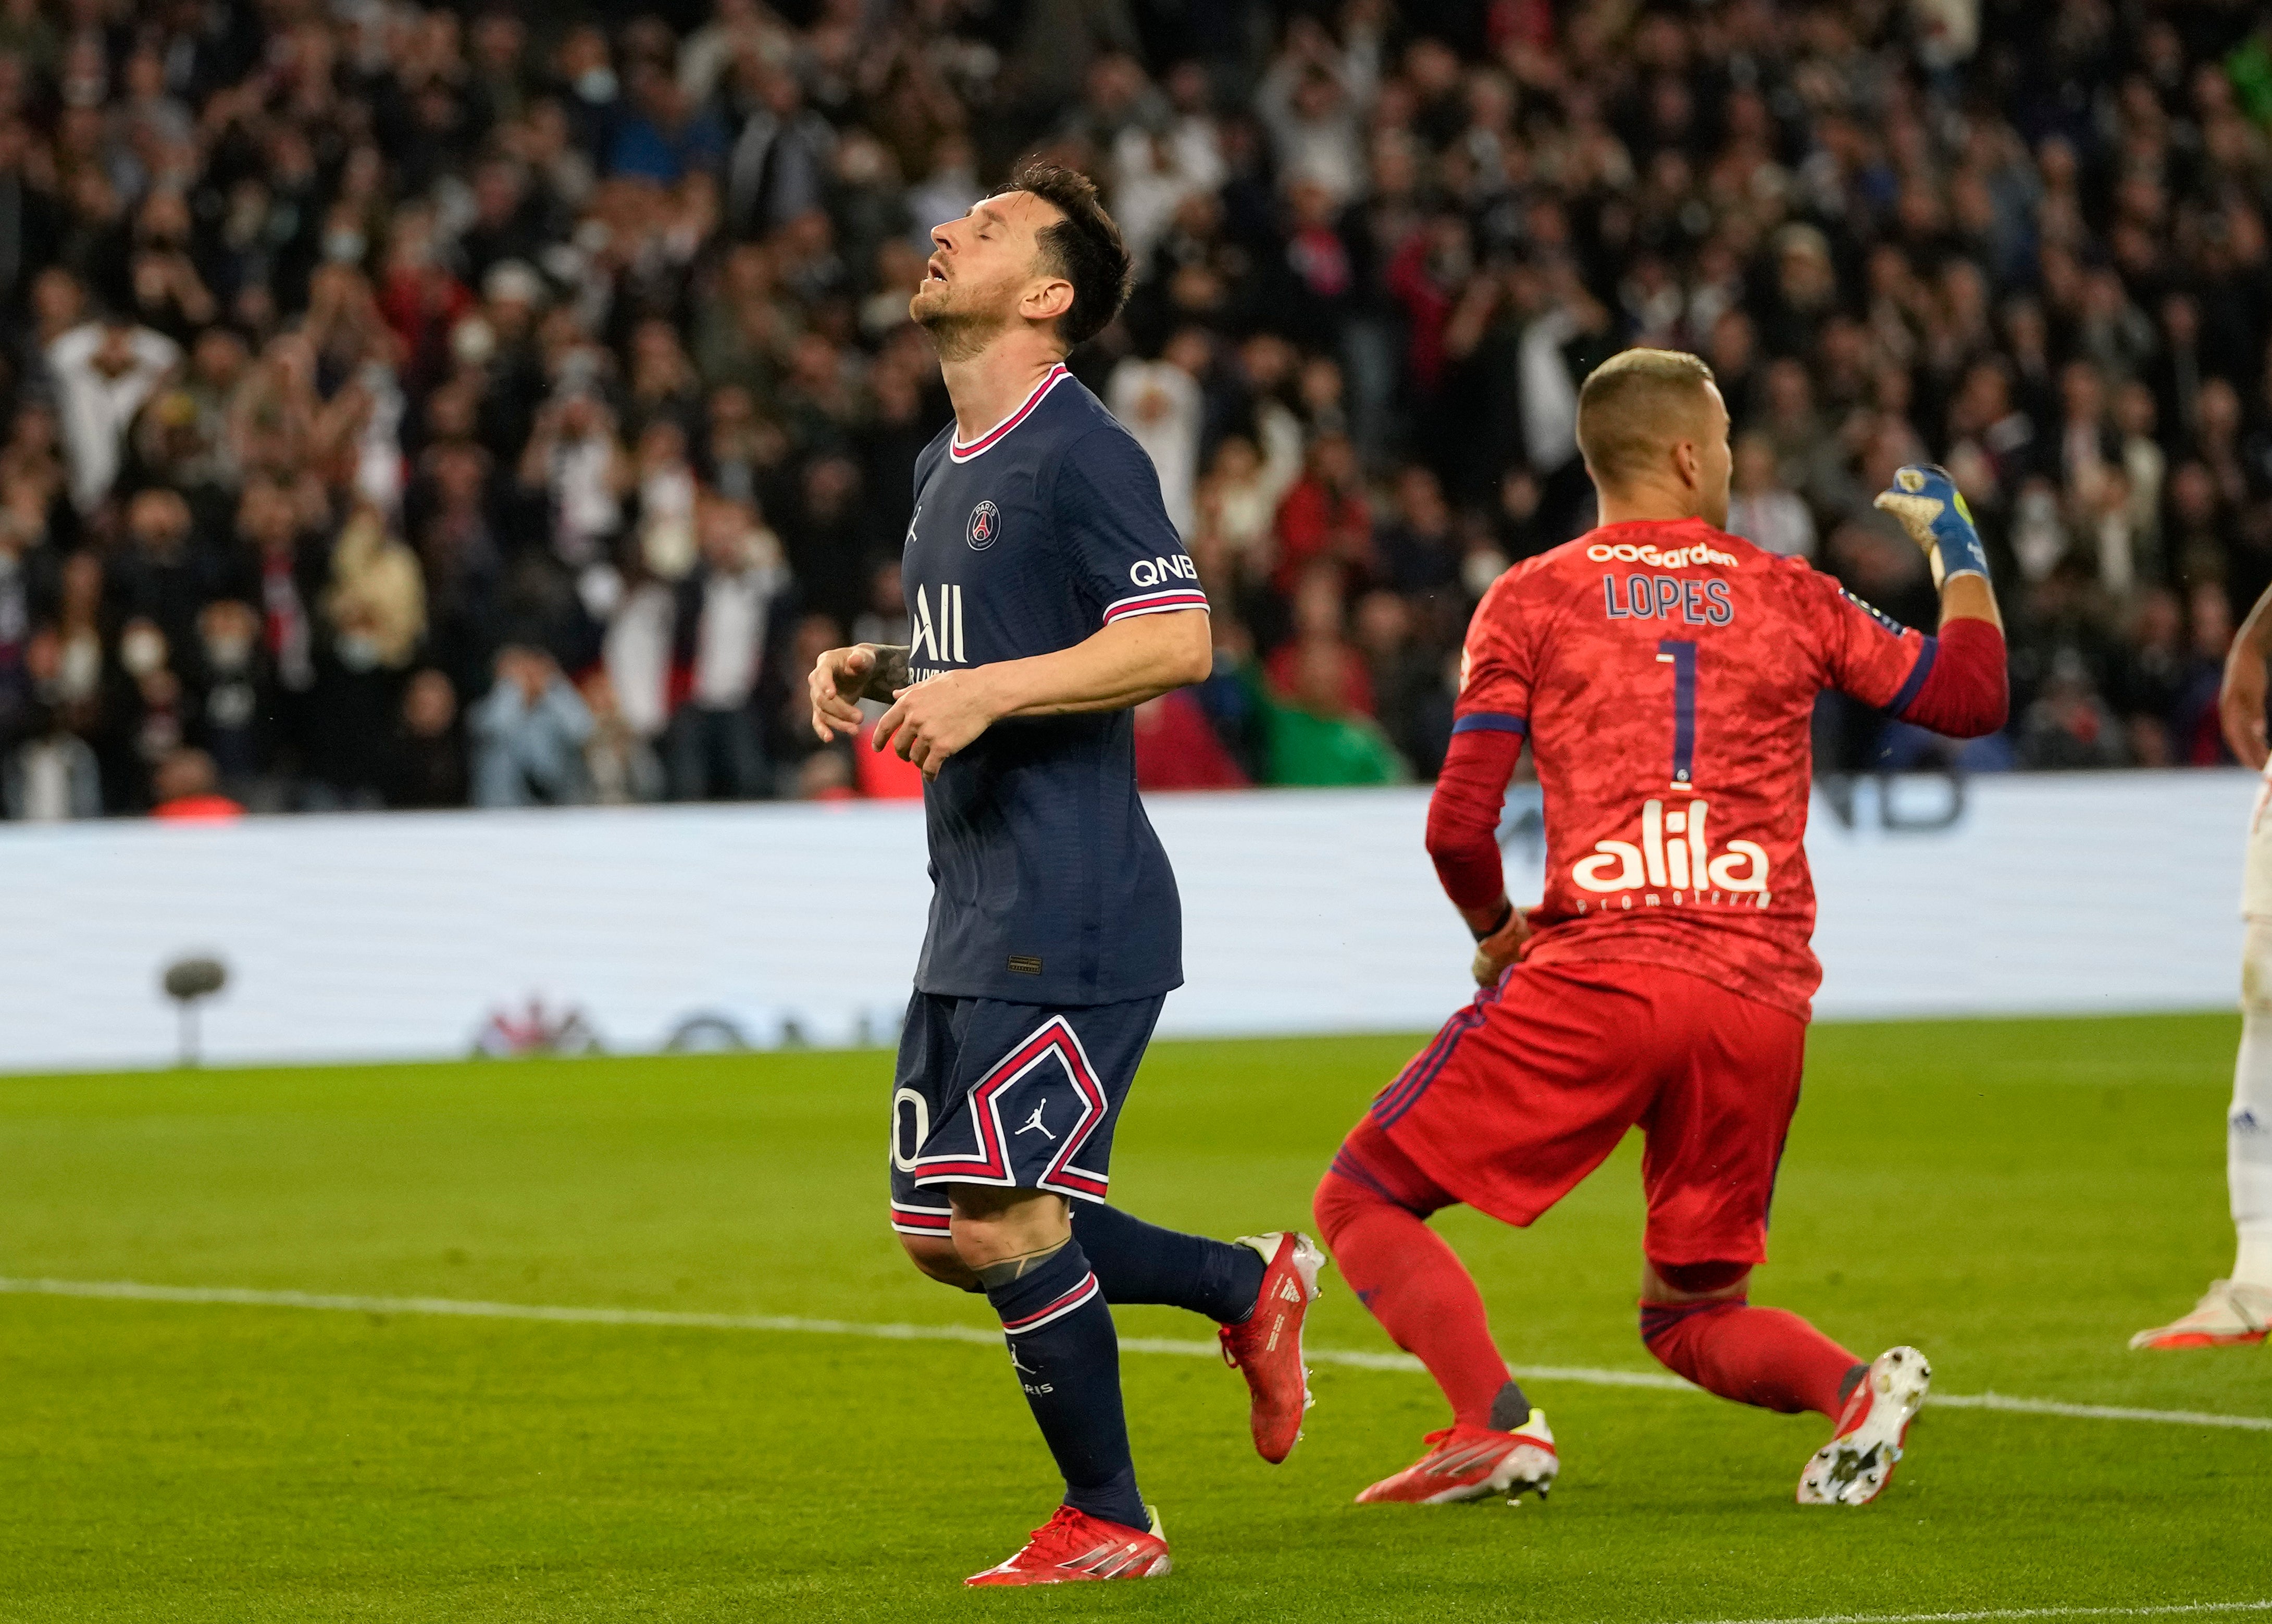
(2176, 1610)
(241, 1297)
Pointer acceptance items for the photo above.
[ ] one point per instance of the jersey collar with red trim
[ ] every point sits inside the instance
(994, 436)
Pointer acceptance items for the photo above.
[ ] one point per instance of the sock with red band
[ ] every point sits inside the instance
(1766, 1357)
(1370, 1210)
(1067, 1357)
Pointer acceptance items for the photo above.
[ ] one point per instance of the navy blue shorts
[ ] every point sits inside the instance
(1023, 1095)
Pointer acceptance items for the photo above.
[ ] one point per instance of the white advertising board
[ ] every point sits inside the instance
(421, 935)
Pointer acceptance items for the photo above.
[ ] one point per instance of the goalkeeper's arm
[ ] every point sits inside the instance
(1463, 843)
(1967, 693)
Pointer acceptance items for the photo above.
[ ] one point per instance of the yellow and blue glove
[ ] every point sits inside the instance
(1926, 503)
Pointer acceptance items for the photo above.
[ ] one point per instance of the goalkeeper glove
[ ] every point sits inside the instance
(1926, 503)
(1500, 947)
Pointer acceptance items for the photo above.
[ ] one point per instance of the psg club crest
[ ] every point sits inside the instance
(984, 528)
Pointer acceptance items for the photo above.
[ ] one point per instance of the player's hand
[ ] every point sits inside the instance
(930, 722)
(835, 684)
(2240, 703)
(1925, 501)
(1501, 948)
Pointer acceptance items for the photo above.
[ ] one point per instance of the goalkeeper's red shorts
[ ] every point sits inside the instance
(1525, 1091)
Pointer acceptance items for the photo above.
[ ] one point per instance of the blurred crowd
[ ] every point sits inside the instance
(499, 406)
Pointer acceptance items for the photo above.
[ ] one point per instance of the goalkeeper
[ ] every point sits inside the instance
(1663, 674)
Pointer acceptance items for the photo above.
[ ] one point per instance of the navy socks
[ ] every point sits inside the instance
(1056, 1318)
(1140, 1263)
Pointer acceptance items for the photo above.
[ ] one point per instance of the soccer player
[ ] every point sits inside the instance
(1664, 673)
(1048, 595)
(2240, 1310)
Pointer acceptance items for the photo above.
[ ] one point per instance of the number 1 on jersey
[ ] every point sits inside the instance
(1681, 654)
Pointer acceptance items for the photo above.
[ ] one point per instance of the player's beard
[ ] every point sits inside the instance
(956, 332)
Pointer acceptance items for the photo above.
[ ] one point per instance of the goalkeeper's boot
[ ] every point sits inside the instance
(1073, 1547)
(1474, 1462)
(1854, 1466)
(2230, 1315)
(1267, 1347)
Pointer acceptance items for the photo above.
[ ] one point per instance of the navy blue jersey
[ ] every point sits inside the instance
(1049, 885)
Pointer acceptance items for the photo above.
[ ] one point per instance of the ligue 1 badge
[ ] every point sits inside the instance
(985, 525)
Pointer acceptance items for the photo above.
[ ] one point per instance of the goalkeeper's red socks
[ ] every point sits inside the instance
(1768, 1357)
(1370, 1208)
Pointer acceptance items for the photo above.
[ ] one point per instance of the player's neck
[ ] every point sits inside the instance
(1645, 507)
(986, 386)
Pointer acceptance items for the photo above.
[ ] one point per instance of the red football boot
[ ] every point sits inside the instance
(1073, 1546)
(1468, 1463)
(1858, 1463)
(1267, 1348)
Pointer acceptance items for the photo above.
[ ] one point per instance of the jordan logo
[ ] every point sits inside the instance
(1034, 1125)
(1019, 1365)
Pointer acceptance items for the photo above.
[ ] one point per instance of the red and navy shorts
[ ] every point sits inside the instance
(1527, 1090)
(1023, 1095)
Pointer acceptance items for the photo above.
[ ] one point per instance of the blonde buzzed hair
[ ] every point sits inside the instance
(1634, 406)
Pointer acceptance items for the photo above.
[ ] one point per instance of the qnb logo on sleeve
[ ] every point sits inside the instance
(935, 637)
(1154, 571)
(1672, 862)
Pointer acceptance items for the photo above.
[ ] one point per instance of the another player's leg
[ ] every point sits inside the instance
(1020, 1245)
(1053, 1102)
(1371, 1208)
(1698, 1320)
(2239, 1310)
(1226, 1280)
(1257, 1289)
(1520, 1095)
(1715, 1133)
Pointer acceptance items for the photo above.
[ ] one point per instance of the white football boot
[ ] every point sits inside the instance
(2230, 1313)
(1858, 1463)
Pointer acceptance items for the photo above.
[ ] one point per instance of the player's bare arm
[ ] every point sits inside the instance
(2240, 698)
(1123, 664)
(841, 678)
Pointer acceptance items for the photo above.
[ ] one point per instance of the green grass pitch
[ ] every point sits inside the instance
(2014, 1197)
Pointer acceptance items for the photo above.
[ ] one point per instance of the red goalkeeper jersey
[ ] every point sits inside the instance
(1666, 674)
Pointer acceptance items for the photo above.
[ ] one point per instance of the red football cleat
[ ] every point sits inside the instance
(1267, 1348)
(1854, 1466)
(1468, 1463)
(1073, 1546)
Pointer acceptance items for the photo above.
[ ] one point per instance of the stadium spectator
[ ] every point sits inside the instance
(186, 786)
(439, 340)
(426, 766)
(528, 735)
(1317, 738)
(729, 616)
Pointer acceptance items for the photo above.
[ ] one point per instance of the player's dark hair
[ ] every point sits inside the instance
(1628, 402)
(1084, 248)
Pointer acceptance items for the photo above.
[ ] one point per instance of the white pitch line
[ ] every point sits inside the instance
(2183, 1609)
(243, 1297)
